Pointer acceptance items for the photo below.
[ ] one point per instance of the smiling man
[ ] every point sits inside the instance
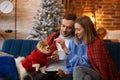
(57, 64)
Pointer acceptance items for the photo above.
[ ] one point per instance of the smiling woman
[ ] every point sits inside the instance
(6, 6)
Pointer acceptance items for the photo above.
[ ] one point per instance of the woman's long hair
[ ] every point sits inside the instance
(90, 33)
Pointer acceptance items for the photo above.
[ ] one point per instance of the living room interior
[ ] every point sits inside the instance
(20, 19)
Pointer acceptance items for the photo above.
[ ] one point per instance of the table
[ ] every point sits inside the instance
(6, 33)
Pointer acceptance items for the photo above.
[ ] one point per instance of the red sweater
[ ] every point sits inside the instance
(37, 56)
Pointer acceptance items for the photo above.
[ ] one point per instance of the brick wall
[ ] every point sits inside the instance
(107, 13)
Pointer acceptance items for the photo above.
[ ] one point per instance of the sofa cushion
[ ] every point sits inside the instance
(8, 68)
(18, 47)
(114, 50)
(27, 47)
(5, 54)
(113, 34)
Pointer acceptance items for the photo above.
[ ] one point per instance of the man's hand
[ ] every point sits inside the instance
(61, 73)
(55, 56)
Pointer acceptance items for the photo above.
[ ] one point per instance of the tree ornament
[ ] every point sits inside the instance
(47, 19)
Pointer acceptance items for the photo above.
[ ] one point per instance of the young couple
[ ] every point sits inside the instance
(85, 56)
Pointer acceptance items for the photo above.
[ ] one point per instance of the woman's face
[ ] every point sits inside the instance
(79, 30)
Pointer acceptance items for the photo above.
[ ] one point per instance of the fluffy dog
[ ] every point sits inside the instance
(36, 61)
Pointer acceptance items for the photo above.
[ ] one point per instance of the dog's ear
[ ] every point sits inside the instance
(40, 44)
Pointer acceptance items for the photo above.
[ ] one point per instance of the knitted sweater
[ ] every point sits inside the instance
(36, 57)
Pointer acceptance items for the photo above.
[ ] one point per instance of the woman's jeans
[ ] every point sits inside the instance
(85, 73)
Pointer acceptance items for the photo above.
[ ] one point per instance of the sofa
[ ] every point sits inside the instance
(19, 47)
(12, 48)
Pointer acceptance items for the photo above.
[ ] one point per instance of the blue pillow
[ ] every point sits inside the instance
(8, 68)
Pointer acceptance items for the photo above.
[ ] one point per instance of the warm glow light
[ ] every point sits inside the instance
(91, 16)
(93, 19)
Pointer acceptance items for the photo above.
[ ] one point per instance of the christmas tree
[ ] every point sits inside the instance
(47, 19)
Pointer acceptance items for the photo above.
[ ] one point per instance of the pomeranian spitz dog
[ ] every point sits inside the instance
(37, 60)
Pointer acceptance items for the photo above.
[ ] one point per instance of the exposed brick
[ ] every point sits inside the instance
(105, 16)
(108, 20)
(117, 17)
(117, 23)
(104, 23)
(109, 13)
(109, 6)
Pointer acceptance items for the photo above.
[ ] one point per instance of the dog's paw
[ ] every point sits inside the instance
(43, 69)
(36, 66)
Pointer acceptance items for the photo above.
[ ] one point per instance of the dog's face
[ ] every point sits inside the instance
(43, 46)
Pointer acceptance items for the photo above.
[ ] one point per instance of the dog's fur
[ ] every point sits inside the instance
(44, 49)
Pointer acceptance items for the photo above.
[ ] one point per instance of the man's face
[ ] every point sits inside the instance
(67, 27)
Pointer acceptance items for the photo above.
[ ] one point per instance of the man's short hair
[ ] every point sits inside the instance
(70, 17)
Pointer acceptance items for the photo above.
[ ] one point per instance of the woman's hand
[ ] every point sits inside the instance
(61, 73)
(62, 43)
